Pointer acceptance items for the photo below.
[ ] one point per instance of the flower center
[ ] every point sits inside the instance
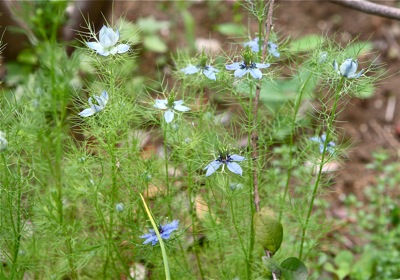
(224, 158)
(250, 65)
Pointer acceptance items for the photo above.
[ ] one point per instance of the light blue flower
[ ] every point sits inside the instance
(272, 47)
(207, 70)
(3, 141)
(241, 68)
(330, 147)
(225, 159)
(165, 232)
(107, 43)
(164, 104)
(348, 68)
(323, 56)
(94, 108)
(119, 207)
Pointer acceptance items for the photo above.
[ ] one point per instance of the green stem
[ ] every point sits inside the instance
(237, 232)
(252, 197)
(192, 199)
(166, 159)
(321, 165)
(293, 129)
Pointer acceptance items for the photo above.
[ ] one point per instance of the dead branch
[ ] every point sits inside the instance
(370, 8)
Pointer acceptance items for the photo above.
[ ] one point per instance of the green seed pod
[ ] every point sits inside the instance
(268, 230)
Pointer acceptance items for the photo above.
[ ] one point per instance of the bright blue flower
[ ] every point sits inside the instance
(228, 160)
(207, 70)
(165, 232)
(163, 104)
(330, 147)
(241, 68)
(272, 47)
(107, 43)
(348, 68)
(101, 100)
(3, 141)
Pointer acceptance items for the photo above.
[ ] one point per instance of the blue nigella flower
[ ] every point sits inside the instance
(323, 56)
(348, 68)
(101, 100)
(165, 232)
(254, 45)
(3, 141)
(119, 207)
(170, 106)
(107, 43)
(330, 147)
(242, 68)
(225, 159)
(207, 70)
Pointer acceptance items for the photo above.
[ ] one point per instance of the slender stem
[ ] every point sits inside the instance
(237, 232)
(321, 165)
(254, 134)
(192, 199)
(166, 158)
(293, 128)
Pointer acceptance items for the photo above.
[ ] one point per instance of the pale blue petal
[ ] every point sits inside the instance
(122, 48)
(108, 37)
(99, 101)
(335, 65)
(104, 97)
(348, 67)
(255, 73)
(161, 104)
(95, 46)
(97, 108)
(263, 65)
(169, 116)
(210, 73)
(234, 167)
(181, 108)
(87, 112)
(253, 44)
(233, 66)
(355, 76)
(241, 72)
(212, 167)
(191, 69)
(236, 158)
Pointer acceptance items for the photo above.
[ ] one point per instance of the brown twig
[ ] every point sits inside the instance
(254, 134)
(370, 8)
